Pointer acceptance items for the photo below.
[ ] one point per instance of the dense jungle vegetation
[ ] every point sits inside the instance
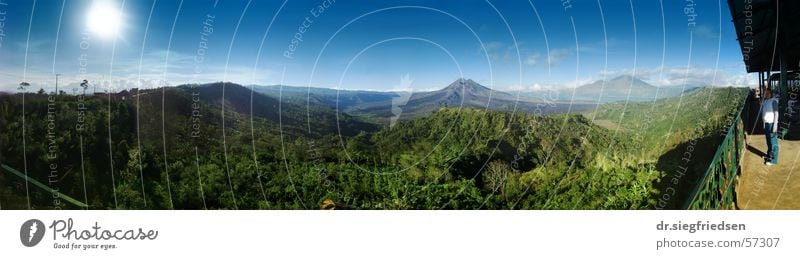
(187, 147)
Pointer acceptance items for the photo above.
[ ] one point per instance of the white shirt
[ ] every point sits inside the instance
(769, 110)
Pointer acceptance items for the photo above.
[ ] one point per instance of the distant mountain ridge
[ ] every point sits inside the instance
(625, 87)
(388, 107)
(464, 93)
(381, 106)
(620, 88)
(300, 117)
(343, 99)
(617, 86)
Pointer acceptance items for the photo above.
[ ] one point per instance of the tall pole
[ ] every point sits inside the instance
(57, 75)
(784, 100)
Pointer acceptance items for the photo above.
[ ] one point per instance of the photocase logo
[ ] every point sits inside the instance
(31, 232)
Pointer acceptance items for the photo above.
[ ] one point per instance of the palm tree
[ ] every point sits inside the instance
(85, 84)
(23, 86)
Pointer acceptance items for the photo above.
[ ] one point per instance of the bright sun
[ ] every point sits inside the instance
(104, 19)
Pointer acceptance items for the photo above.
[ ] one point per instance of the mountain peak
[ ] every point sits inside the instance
(629, 79)
(623, 77)
(467, 85)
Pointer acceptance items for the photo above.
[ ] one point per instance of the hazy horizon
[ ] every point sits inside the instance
(72, 87)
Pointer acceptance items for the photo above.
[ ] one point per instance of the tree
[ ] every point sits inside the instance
(496, 175)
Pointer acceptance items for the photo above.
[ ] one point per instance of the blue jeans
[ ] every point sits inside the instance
(772, 143)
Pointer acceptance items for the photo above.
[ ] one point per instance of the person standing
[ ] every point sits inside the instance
(769, 113)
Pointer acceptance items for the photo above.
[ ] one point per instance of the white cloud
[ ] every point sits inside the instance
(151, 73)
(499, 51)
(532, 59)
(553, 86)
(525, 88)
(705, 31)
(579, 82)
(683, 76)
(505, 52)
(494, 49)
(641, 73)
(664, 77)
(558, 55)
(600, 47)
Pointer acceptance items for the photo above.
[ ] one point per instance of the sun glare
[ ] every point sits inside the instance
(104, 19)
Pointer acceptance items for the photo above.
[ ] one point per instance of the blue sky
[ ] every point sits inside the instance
(507, 45)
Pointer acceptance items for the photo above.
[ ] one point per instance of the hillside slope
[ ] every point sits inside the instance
(678, 134)
(294, 118)
(661, 125)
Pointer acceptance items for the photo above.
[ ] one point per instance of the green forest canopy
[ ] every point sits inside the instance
(185, 153)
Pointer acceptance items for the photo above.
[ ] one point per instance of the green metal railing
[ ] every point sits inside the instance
(716, 189)
(44, 187)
